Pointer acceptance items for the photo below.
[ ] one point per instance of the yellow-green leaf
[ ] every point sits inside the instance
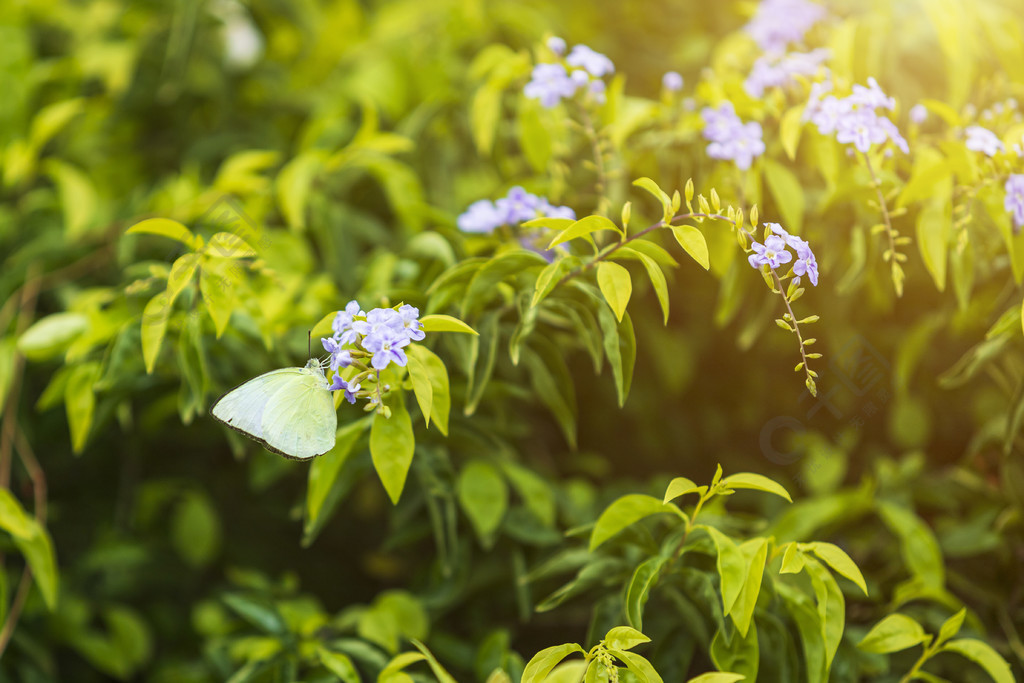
(789, 130)
(164, 227)
(445, 323)
(693, 243)
(582, 227)
(182, 271)
(758, 482)
(391, 446)
(836, 558)
(229, 245)
(616, 286)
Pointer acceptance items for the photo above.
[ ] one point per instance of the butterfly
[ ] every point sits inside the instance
(289, 411)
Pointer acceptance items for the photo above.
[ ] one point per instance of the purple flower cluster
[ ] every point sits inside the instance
(672, 81)
(777, 23)
(983, 140)
(730, 138)
(778, 70)
(774, 253)
(582, 70)
(853, 119)
(382, 334)
(1014, 202)
(485, 216)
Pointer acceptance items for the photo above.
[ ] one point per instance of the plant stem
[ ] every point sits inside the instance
(796, 326)
(595, 147)
(609, 250)
(895, 270)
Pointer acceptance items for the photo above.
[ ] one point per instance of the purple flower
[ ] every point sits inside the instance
(518, 206)
(780, 22)
(805, 264)
(918, 114)
(549, 83)
(556, 45)
(377, 320)
(983, 140)
(1014, 201)
(580, 77)
(595, 63)
(672, 81)
(350, 389)
(861, 128)
(720, 123)
(551, 211)
(482, 216)
(340, 357)
(741, 146)
(772, 253)
(780, 70)
(872, 96)
(409, 316)
(597, 89)
(386, 344)
(342, 324)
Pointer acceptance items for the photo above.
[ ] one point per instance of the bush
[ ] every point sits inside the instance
(541, 283)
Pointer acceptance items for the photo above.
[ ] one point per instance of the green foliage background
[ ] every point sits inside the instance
(345, 153)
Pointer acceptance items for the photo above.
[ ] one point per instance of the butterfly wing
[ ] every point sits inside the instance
(242, 408)
(299, 420)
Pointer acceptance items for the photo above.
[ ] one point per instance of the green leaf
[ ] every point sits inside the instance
(552, 383)
(620, 349)
(324, 471)
(50, 336)
(399, 662)
(737, 653)
(52, 118)
(217, 283)
(195, 529)
(439, 671)
(164, 227)
(789, 130)
(506, 264)
(444, 323)
(37, 548)
(154, 326)
(230, 246)
(421, 385)
(584, 226)
(7, 353)
(984, 655)
(535, 137)
(644, 579)
(638, 665)
(951, 626)
(391, 446)
(787, 192)
(792, 560)
(13, 518)
(731, 565)
(657, 192)
(623, 512)
(483, 494)
(755, 554)
(657, 276)
(80, 402)
(258, 611)
(680, 486)
(338, 664)
(293, 184)
(484, 112)
(534, 490)
(182, 271)
(541, 664)
(548, 279)
(934, 225)
(894, 633)
(757, 482)
(836, 557)
(831, 607)
(432, 368)
(693, 243)
(549, 222)
(78, 197)
(624, 638)
(918, 545)
(717, 677)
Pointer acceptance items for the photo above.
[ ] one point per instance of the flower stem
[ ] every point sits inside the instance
(895, 269)
(799, 336)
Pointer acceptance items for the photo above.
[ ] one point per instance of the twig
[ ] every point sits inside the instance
(895, 269)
